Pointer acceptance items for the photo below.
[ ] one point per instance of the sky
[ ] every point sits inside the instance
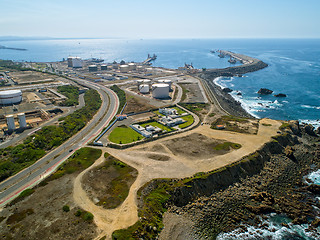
(161, 19)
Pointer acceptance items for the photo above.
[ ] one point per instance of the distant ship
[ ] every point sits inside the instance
(96, 60)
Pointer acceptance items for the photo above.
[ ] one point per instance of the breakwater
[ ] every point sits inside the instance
(227, 102)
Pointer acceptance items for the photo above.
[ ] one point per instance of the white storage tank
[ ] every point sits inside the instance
(10, 123)
(124, 68)
(104, 67)
(139, 82)
(93, 68)
(132, 66)
(167, 81)
(10, 96)
(144, 88)
(22, 120)
(160, 90)
(147, 81)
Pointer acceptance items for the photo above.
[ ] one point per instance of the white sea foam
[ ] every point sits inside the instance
(308, 106)
(315, 177)
(315, 123)
(270, 229)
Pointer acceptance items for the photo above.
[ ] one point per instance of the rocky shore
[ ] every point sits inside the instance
(225, 99)
(212, 205)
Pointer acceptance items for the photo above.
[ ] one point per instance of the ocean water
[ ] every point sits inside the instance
(294, 66)
(294, 69)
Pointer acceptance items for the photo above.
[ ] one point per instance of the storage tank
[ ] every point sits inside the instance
(93, 68)
(10, 123)
(132, 66)
(22, 120)
(146, 81)
(139, 82)
(167, 81)
(144, 88)
(10, 96)
(160, 90)
(104, 67)
(124, 68)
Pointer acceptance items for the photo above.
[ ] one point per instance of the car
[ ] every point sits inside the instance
(70, 150)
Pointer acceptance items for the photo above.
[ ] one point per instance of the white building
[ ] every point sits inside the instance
(170, 122)
(168, 111)
(141, 130)
(74, 62)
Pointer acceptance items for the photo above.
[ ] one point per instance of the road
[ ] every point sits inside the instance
(32, 175)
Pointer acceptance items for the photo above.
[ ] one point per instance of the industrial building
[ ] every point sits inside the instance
(10, 97)
(74, 62)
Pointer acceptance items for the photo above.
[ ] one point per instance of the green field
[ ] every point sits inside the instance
(179, 110)
(156, 124)
(189, 120)
(157, 112)
(124, 134)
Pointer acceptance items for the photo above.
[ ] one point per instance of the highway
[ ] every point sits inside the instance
(32, 175)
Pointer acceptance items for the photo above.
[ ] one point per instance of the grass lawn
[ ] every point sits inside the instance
(156, 124)
(179, 110)
(157, 112)
(189, 120)
(123, 135)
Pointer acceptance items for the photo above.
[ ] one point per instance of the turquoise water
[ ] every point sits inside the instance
(294, 66)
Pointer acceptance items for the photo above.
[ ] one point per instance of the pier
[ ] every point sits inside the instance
(149, 59)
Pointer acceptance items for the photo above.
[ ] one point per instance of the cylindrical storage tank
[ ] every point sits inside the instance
(104, 67)
(22, 120)
(124, 68)
(10, 96)
(132, 66)
(146, 81)
(144, 88)
(10, 123)
(139, 68)
(167, 81)
(160, 81)
(160, 90)
(139, 82)
(93, 68)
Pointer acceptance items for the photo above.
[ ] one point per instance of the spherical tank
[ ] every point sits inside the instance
(160, 90)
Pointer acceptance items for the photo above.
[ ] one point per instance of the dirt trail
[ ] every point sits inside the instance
(176, 167)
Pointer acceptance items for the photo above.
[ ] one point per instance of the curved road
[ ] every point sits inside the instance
(32, 175)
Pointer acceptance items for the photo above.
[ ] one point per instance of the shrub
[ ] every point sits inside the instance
(78, 213)
(66, 208)
(88, 216)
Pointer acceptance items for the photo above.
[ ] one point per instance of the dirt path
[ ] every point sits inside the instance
(176, 167)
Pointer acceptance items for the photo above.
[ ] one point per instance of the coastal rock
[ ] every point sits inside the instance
(313, 188)
(227, 90)
(288, 151)
(309, 129)
(280, 95)
(295, 127)
(265, 197)
(239, 94)
(265, 91)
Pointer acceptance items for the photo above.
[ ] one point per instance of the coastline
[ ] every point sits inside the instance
(227, 101)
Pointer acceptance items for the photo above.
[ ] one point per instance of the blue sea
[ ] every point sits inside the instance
(294, 69)
(294, 66)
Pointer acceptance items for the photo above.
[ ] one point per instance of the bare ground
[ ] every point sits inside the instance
(48, 220)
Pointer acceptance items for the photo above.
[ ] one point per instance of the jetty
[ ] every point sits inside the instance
(149, 59)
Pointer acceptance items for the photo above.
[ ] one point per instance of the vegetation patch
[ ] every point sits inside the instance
(194, 107)
(266, 124)
(236, 124)
(121, 95)
(184, 92)
(109, 184)
(80, 160)
(189, 121)
(22, 196)
(19, 216)
(226, 146)
(14, 159)
(72, 94)
(284, 126)
(156, 124)
(123, 135)
(179, 110)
